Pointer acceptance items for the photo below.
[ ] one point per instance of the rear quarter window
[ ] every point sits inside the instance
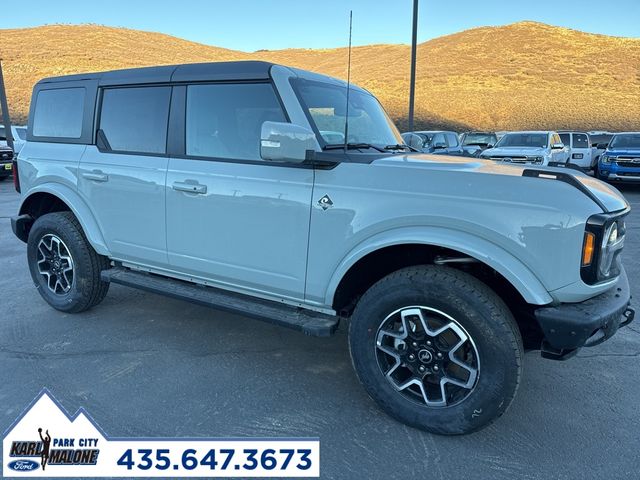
(59, 113)
(580, 140)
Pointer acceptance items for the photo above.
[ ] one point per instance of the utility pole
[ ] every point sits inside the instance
(6, 121)
(412, 82)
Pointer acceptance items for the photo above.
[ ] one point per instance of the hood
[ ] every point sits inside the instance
(616, 152)
(499, 151)
(603, 193)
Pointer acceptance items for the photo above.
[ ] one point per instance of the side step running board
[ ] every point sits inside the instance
(309, 322)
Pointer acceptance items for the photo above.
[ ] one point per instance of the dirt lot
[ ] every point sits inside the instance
(144, 365)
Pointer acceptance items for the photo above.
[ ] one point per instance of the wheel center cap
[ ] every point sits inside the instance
(425, 356)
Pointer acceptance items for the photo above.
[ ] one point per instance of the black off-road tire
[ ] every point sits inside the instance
(481, 313)
(87, 290)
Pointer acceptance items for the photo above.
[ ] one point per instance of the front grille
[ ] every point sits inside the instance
(629, 162)
(515, 159)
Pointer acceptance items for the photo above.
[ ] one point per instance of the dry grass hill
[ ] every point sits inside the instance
(521, 76)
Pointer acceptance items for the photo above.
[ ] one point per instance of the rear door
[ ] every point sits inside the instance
(122, 178)
(233, 219)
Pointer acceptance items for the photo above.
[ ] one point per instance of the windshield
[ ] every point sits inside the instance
(600, 138)
(628, 140)
(325, 105)
(531, 140)
(479, 139)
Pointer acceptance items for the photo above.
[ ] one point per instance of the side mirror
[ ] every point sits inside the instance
(557, 146)
(490, 145)
(439, 146)
(286, 142)
(602, 146)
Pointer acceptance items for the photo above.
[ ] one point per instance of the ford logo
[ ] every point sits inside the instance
(23, 465)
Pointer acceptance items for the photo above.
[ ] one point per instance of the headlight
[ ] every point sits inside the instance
(535, 159)
(611, 246)
(605, 159)
(601, 248)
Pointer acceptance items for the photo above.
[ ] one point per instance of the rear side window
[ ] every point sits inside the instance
(59, 113)
(225, 120)
(580, 140)
(452, 139)
(135, 119)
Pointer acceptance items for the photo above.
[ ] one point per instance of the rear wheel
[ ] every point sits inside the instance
(64, 267)
(436, 349)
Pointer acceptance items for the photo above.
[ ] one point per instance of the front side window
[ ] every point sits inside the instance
(326, 108)
(438, 140)
(565, 138)
(225, 120)
(59, 113)
(135, 119)
(452, 139)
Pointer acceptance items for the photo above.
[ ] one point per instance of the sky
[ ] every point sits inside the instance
(276, 24)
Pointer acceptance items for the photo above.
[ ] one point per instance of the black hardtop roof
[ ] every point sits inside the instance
(189, 72)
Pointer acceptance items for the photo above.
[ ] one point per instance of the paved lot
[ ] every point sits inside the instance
(145, 365)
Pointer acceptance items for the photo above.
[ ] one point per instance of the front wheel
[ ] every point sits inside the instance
(436, 349)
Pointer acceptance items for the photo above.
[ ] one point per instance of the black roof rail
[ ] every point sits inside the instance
(566, 178)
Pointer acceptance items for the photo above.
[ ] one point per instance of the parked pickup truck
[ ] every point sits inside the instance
(621, 159)
(537, 148)
(212, 183)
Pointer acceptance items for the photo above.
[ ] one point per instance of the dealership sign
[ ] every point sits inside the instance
(45, 441)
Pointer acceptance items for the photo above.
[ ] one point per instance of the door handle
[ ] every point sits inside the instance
(96, 176)
(189, 187)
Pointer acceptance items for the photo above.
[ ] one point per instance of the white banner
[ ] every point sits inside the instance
(47, 442)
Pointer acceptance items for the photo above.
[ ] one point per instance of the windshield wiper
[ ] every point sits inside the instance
(351, 146)
(400, 146)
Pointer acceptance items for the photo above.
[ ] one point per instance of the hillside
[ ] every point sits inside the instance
(521, 76)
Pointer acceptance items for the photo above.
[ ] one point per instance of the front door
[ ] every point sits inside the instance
(123, 178)
(232, 218)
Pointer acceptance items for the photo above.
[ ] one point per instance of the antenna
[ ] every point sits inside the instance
(346, 112)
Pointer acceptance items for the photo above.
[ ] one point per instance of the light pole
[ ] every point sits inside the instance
(412, 82)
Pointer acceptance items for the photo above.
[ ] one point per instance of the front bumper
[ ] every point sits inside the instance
(568, 327)
(613, 171)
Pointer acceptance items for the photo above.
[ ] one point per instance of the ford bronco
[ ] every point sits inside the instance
(289, 196)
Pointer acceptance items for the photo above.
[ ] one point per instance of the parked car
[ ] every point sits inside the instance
(212, 183)
(6, 162)
(436, 142)
(474, 143)
(621, 159)
(580, 149)
(539, 148)
(19, 134)
(599, 142)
